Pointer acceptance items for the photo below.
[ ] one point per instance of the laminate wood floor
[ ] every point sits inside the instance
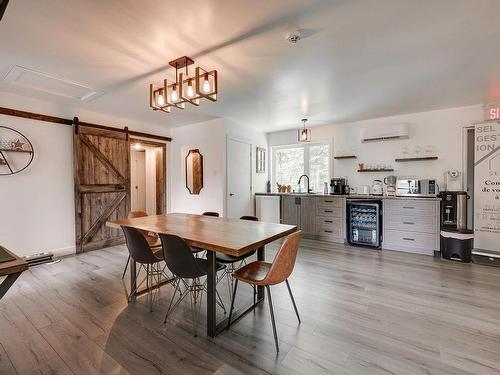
(363, 312)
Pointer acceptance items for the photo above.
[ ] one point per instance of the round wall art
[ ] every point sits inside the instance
(16, 151)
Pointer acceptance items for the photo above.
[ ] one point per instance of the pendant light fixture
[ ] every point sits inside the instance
(304, 134)
(185, 89)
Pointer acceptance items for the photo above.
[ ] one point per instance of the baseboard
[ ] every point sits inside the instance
(63, 251)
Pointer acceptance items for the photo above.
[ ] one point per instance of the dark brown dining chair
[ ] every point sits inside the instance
(153, 241)
(260, 273)
(147, 259)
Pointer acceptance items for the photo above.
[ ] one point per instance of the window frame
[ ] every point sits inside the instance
(306, 147)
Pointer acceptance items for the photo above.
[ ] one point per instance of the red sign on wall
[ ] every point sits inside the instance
(492, 112)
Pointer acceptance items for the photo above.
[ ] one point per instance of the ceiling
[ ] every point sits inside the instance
(357, 59)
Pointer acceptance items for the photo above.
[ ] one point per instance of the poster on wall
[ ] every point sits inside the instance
(487, 187)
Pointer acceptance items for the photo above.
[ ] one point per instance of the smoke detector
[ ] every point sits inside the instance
(293, 37)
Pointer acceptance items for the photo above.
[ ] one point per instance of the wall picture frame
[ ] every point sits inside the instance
(260, 160)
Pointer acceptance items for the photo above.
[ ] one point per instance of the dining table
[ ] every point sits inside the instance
(214, 234)
(11, 266)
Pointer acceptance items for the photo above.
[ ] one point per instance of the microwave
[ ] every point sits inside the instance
(414, 187)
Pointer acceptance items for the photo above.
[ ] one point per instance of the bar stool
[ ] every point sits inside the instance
(265, 274)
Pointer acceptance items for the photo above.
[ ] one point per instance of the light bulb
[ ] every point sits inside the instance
(174, 96)
(206, 85)
(190, 91)
(160, 100)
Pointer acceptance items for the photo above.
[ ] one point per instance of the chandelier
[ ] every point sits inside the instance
(185, 89)
(304, 134)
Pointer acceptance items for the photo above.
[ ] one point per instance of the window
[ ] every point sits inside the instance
(290, 162)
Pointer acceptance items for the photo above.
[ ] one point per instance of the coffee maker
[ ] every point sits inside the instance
(454, 210)
(390, 181)
(338, 186)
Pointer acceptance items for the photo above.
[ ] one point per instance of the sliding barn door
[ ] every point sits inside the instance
(102, 185)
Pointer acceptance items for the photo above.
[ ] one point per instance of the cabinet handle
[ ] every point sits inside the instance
(328, 221)
(329, 211)
(328, 231)
(409, 207)
(408, 239)
(408, 223)
(328, 201)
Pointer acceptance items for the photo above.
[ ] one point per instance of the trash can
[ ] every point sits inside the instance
(457, 245)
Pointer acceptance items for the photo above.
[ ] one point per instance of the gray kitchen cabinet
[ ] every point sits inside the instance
(289, 211)
(307, 210)
(299, 211)
(411, 225)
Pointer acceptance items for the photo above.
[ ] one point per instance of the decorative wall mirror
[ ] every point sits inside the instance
(260, 158)
(194, 171)
(16, 151)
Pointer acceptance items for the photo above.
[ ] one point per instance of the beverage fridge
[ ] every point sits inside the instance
(364, 223)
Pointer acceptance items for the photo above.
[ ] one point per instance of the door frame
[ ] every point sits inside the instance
(161, 173)
(226, 187)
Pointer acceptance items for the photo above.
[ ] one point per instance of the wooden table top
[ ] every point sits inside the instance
(12, 266)
(229, 236)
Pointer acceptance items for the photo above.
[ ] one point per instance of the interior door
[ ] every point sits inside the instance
(138, 181)
(239, 170)
(102, 185)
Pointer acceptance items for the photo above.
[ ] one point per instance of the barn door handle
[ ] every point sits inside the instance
(122, 188)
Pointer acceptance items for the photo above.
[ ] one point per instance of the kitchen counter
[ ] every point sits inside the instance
(352, 196)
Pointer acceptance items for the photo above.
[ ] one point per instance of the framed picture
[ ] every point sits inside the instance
(260, 158)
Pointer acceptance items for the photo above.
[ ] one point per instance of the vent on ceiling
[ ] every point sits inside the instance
(34, 80)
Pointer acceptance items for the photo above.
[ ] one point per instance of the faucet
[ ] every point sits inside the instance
(300, 179)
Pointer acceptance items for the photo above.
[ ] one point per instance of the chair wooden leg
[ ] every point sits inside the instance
(232, 303)
(271, 310)
(125, 269)
(293, 300)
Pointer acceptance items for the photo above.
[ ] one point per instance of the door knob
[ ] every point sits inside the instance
(231, 194)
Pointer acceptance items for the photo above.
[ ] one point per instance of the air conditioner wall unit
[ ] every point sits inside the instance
(385, 132)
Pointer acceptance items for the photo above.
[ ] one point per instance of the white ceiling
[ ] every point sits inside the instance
(358, 59)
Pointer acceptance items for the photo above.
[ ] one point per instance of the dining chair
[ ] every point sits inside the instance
(260, 273)
(188, 270)
(232, 261)
(197, 250)
(153, 241)
(148, 259)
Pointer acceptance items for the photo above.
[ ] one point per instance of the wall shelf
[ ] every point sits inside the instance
(345, 157)
(375, 170)
(422, 158)
(14, 150)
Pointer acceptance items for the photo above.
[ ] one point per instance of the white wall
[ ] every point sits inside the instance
(211, 138)
(256, 139)
(37, 205)
(208, 137)
(441, 129)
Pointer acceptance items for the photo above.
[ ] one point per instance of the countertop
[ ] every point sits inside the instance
(352, 196)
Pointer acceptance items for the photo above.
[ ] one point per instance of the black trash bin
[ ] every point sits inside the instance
(457, 245)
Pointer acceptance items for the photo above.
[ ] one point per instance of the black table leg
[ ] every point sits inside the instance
(261, 255)
(133, 280)
(211, 295)
(8, 282)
